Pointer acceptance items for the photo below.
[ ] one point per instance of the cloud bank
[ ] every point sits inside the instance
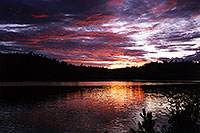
(110, 33)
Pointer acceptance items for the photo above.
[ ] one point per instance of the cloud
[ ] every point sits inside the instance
(101, 32)
(194, 57)
(40, 16)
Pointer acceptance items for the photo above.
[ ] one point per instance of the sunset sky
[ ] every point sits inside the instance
(110, 33)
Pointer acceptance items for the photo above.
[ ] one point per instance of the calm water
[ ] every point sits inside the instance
(85, 106)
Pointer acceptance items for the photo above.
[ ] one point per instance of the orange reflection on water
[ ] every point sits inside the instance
(138, 94)
(125, 95)
(112, 106)
(108, 98)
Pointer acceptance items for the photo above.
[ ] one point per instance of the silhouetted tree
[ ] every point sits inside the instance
(148, 123)
(34, 67)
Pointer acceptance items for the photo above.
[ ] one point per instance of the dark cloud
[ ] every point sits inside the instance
(134, 53)
(183, 37)
(39, 11)
(194, 57)
(10, 49)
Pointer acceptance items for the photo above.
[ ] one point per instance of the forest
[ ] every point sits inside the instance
(35, 67)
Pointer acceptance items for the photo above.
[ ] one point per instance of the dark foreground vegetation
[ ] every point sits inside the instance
(34, 67)
(184, 117)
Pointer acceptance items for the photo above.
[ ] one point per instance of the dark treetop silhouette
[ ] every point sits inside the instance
(34, 67)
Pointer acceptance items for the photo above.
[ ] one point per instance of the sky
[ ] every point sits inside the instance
(108, 33)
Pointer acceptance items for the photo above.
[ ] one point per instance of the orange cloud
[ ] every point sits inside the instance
(115, 2)
(94, 19)
(40, 16)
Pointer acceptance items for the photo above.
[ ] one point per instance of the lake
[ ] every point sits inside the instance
(62, 107)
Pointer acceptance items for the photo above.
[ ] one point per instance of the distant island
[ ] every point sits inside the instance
(34, 67)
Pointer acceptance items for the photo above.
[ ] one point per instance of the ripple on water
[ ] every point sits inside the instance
(113, 107)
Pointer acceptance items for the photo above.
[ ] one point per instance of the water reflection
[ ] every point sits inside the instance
(112, 107)
(108, 105)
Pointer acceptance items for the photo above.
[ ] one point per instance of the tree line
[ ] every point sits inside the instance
(34, 67)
